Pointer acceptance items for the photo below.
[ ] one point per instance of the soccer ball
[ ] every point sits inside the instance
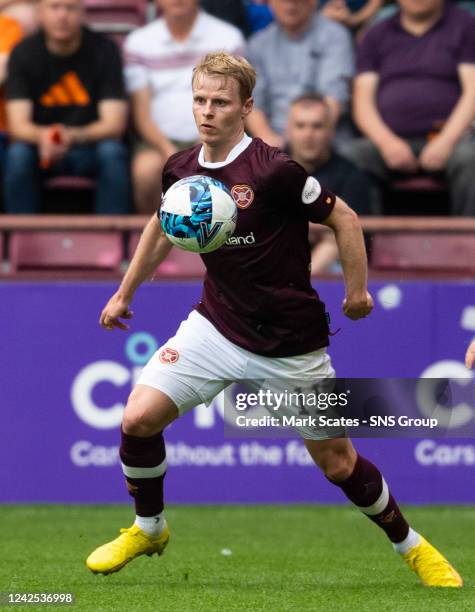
(198, 214)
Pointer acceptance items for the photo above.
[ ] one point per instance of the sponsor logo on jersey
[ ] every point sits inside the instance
(68, 91)
(241, 240)
(168, 355)
(311, 190)
(243, 195)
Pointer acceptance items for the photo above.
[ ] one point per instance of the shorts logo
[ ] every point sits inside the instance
(243, 195)
(168, 355)
(311, 190)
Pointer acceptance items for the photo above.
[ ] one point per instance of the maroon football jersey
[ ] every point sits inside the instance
(257, 289)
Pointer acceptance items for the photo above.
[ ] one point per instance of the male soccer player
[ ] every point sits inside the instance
(259, 318)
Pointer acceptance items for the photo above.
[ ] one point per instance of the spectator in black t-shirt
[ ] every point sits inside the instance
(66, 111)
(309, 138)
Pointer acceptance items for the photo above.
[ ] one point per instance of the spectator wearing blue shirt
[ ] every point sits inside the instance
(302, 51)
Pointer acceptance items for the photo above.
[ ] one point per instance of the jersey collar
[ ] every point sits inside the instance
(232, 155)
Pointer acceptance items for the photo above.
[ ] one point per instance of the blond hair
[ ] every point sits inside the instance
(220, 63)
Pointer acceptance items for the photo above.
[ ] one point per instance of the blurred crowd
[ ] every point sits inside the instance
(360, 94)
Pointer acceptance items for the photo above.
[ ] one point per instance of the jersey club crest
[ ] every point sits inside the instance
(243, 195)
(168, 355)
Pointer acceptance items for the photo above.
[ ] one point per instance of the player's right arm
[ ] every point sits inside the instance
(349, 237)
(152, 249)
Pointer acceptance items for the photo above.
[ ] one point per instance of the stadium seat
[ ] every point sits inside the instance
(442, 252)
(419, 183)
(65, 250)
(69, 183)
(115, 17)
(178, 264)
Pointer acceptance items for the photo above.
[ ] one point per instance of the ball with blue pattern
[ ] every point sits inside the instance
(198, 214)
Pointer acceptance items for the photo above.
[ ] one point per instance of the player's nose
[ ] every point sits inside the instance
(208, 109)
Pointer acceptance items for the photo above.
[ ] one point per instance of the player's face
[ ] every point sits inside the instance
(61, 19)
(218, 108)
(309, 132)
(293, 14)
(421, 9)
(177, 9)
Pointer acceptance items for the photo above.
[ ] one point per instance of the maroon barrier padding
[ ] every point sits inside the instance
(450, 252)
(70, 183)
(63, 249)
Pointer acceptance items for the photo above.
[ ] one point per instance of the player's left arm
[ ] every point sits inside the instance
(343, 221)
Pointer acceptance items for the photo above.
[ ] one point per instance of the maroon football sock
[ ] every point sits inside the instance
(368, 490)
(144, 465)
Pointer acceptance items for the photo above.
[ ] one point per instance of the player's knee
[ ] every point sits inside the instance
(134, 423)
(337, 466)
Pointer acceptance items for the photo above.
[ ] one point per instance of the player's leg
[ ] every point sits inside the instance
(359, 479)
(175, 380)
(364, 485)
(143, 457)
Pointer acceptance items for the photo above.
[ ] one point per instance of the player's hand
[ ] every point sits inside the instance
(398, 155)
(435, 154)
(116, 308)
(470, 356)
(357, 307)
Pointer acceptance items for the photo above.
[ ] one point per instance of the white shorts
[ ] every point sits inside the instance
(196, 364)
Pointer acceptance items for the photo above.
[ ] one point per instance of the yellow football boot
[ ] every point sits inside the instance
(432, 568)
(131, 543)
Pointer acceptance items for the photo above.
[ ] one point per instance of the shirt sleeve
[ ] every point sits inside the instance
(466, 51)
(136, 73)
(367, 56)
(336, 62)
(293, 189)
(112, 79)
(10, 34)
(17, 85)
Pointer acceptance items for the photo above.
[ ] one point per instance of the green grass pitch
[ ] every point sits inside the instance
(283, 558)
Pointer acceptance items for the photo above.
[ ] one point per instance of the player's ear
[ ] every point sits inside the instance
(247, 107)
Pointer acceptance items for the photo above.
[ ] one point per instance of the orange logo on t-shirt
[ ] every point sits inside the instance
(69, 91)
